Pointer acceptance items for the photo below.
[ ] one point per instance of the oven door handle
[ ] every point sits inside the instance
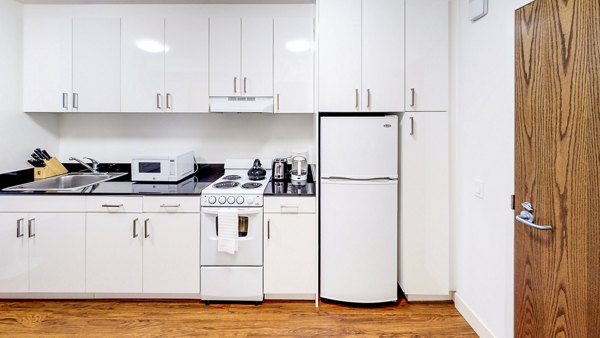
(241, 212)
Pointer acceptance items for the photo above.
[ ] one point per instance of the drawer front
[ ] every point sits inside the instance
(171, 204)
(290, 205)
(53, 203)
(113, 204)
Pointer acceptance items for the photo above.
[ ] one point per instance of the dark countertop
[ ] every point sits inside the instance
(285, 188)
(193, 185)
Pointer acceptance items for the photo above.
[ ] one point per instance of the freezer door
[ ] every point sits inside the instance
(359, 147)
(359, 241)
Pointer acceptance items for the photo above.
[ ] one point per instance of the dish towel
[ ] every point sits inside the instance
(228, 231)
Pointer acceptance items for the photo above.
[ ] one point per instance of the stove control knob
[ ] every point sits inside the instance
(240, 200)
(230, 199)
(212, 200)
(250, 199)
(222, 200)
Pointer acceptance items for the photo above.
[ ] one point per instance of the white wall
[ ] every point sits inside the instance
(483, 143)
(213, 137)
(20, 132)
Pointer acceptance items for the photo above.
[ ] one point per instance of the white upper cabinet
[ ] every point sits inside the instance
(426, 55)
(361, 51)
(241, 56)
(339, 55)
(257, 56)
(225, 50)
(293, 65)
(96, 65)
(382, 55)
(143, 65)
(47, 65)
(186, 65)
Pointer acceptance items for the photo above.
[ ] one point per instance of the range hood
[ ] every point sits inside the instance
(241, 104)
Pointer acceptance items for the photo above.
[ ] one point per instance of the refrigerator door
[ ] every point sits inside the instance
(359, 240)
(359, 147)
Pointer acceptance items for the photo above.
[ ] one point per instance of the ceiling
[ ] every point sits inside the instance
(82, 2)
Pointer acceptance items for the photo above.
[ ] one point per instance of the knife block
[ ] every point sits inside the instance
(53, 168)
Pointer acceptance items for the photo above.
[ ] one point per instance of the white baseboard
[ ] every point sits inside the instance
(290, 296)
(428, 298)
(465, 310)
(74, 296)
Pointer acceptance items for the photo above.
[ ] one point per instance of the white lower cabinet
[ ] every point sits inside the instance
(41, 252)
(114, 252)
(171, 253)
(290, 248)
(424, 235)
(132, 251)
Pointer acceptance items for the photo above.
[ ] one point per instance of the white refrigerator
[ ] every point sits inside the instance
(359, 208)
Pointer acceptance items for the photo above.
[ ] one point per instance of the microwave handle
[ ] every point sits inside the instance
(241, 212)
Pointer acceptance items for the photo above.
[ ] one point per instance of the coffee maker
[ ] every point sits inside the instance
(299, 171)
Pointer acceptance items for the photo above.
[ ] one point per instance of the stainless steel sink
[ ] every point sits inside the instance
(67, 182)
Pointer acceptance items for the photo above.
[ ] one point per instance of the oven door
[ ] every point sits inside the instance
(250, 237)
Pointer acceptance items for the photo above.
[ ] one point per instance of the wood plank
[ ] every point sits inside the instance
(186, 318)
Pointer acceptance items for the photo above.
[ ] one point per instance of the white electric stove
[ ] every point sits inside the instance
(239, 276)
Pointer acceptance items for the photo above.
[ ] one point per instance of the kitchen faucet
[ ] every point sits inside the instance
(93, 168)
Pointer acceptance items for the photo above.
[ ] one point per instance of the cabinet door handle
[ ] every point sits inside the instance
(135, 231)
(412, 97)
(65, 101)
(170, 205)
(112, 205)
(368, 98)
(245, 85)
(169, 101)
(277, 102)
(412, 125)
(146, 232)
(20, 227)
(75, 101)
(158, 100)
(269, 229)
(235, 84)
(31, 227)
(356, 98)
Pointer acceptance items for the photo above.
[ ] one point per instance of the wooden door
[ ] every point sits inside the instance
(557, 169)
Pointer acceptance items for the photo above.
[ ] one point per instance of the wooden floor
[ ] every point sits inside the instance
(192, 318)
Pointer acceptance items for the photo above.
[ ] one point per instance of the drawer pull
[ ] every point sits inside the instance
(170, 205)
(292, 206)
(112, 205)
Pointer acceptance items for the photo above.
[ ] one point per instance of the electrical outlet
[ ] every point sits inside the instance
(479, 188)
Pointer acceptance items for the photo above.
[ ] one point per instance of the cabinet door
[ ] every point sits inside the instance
(172, 253)
(143, 62)
(293, 65)
(257, 56)
(290, 265)
(225, 53)
(424, 231)
(114, 252)
(57, 252)
(382, 55)
(426, 55)
(14, 262)
(97, 65)
(339, 55)
(47, 62)
(186, 65)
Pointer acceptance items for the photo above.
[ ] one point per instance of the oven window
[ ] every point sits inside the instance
(242, 226)
(149, 167)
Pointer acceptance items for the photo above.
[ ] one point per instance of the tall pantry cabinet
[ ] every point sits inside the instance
(391, 56)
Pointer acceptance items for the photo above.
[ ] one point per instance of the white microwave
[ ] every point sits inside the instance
(162, 167)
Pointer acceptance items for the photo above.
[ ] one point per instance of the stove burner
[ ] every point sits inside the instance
(251, 185)
(226, 185)
(232, 177)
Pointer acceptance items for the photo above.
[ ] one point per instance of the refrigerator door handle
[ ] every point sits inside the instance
(372, 179)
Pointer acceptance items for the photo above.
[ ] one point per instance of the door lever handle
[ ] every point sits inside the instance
(527, 218)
